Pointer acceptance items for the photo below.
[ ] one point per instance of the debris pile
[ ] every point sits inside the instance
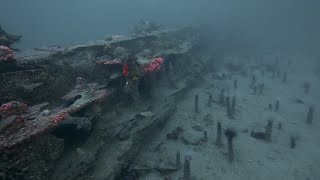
(35, 123)
(7, 39)
(74, 114)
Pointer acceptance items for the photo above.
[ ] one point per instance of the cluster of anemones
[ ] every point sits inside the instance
(154, 65)
(6, 54)
(13, 108)
(59, 117)
(125, 70)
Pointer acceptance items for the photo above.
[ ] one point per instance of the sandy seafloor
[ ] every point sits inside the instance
(254, 159)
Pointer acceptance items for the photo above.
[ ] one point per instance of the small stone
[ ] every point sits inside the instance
(146, 114)
(174, 135)
(45, 112)
(80, 151)
(245, 130)
(192, 138)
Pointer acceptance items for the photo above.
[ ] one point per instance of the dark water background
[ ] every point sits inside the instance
(292, 24)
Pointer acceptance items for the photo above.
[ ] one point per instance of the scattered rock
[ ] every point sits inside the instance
(220, 76)
(245, 130)
(192, 138)
(298, 101)
(45, 112)
(145, 114)
(258, 135)
(80, 152)
(174, 135)
(198, 128)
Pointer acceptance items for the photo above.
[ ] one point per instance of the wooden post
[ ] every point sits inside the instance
(186, 169)
(196, 104)
(310, 115)
(210, 100)
(178, 163)
(219, 132)
(229, 113)
(277, 105)
(269, 131)
(235, 84)
(233, 105)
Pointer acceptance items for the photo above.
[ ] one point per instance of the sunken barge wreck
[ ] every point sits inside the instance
(67, 112)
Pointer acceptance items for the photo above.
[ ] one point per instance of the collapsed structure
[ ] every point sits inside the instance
(53, 98)
(8, 39)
